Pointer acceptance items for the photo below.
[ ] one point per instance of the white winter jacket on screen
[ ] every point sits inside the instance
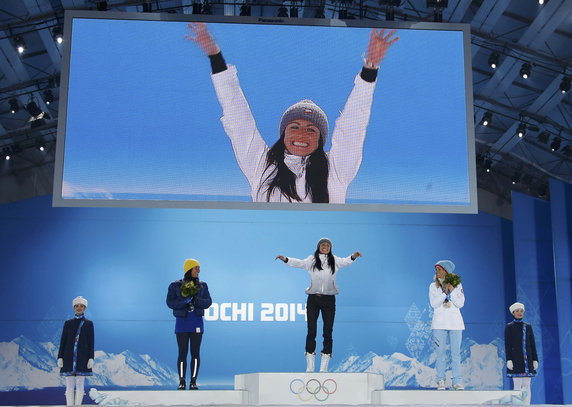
(322, 281)
(449, 318)
(250, 149)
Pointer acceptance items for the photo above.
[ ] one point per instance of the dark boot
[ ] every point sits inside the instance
(182, 384)
(193, 386)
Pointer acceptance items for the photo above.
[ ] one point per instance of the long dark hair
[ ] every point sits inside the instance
(285, 180)
(318, 262)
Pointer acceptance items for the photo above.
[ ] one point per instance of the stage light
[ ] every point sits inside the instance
(494, 60)
(20, 44)
(14, 107)
(58, 34)
(6, 153)
(516, 178)
(541, 2)
(282, 12)
(244, 10)
(488, 164)
(543, 137)
(40, 143)
(48, 96)
(555, 145)
(521, 130)
(487, 119)
(525, 70)
(565, 84)
(37, 115)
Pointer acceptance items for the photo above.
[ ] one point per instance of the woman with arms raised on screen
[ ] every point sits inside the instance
(296, 168)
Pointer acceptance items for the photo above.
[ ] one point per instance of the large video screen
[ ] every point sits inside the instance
(163, 110)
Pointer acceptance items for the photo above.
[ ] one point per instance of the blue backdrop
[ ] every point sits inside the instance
(122, 260)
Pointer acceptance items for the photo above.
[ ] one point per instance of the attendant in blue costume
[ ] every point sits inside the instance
(76, 353)
(520, 349)
(188, 298)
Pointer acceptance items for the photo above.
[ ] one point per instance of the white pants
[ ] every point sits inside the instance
(522, 383)
(75, 382)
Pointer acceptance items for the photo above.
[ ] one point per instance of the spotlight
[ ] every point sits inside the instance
(488, 164)
(487, 119)
(541, 2)
(20, 44)
(40, 143)
(494, 60)
(58, 34)
(516, 178)
(525, 70)
(6, 153)
(282, 12)
(565, 84)
(521, 130)
(543, 137)
(244, 10)
(14, 107)
(555, 145)
(48, 96)
(102, 5)
(33, 109)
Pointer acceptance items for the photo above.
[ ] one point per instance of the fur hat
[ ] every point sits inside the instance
(79, 300)
(448, 265)
(189, 264)
(515, 306)
(324, 240)
(306, 110)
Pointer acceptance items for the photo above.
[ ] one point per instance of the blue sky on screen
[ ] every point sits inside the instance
(143, 119)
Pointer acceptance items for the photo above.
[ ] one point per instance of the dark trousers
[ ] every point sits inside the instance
(327, 305)
(183, 340)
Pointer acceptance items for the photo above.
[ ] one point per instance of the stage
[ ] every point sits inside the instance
(259, 389)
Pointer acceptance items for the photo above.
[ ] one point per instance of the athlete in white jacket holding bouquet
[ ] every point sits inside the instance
(447, 323)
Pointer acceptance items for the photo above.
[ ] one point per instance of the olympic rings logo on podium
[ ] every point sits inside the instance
(313, 389)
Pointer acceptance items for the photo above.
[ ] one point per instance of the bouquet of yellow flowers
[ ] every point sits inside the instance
(189, 288)
(452, 279)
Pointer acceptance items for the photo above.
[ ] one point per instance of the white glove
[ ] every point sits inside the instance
(509, 364)
(535, 364)
(90, 363)
(60, 363)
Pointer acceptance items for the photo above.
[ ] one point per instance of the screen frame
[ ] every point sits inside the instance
(70, 15)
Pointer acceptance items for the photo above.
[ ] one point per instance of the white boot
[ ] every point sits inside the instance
(69, 398)
(310, 359)
(78, 397)
(324, 363)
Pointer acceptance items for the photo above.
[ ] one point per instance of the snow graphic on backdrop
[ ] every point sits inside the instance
(23, 361)
(481, 364)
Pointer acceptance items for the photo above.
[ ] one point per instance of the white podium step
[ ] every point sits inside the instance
(309, 388)
(167, 397)
(451, 397)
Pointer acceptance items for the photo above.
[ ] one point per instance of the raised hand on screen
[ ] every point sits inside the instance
(379, 43)
(203, 38)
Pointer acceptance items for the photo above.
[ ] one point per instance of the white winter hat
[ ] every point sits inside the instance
(515, 306)
(79, 300)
